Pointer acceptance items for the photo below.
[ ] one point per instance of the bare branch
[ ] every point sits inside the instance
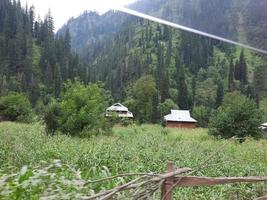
(192, 181)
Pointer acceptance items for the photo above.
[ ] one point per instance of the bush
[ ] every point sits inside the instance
(52, 117)
(126, 122)
(79, 111)
(16, 107)
(238, 116)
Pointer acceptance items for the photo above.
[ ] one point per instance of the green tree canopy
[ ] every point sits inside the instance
(16, 107)
(165, 107)
(238, 116)
(79, 111)
(143, 92)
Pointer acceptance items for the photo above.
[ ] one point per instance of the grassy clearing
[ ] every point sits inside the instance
(134, 149)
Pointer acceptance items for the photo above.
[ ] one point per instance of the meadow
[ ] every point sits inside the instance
(34, 165)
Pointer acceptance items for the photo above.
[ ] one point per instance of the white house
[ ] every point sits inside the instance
(180, 119)
(120, 110)
(263, 127)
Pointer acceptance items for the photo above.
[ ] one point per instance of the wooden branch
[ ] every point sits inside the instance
(192, 181)
(134, 185)
(118, 189)
(121, 175)
(261, 198)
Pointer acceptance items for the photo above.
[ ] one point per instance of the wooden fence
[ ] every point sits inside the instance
(147, 184)
(191, 181)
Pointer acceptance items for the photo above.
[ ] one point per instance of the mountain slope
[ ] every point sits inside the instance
(187, 68)
(92, 32)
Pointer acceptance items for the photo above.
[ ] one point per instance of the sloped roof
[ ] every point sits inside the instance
(118, 107)
(264, 125)
(179, 116)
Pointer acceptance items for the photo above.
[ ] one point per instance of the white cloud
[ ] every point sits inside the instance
(62, 10)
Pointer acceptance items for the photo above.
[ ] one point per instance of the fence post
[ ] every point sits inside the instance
(166, 190)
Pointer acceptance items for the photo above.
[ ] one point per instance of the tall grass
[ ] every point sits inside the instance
(133, 149)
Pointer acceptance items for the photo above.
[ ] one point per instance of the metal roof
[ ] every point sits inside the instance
(118, 107)
(179, 116)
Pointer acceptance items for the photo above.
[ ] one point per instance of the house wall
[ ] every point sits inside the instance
(189, 125)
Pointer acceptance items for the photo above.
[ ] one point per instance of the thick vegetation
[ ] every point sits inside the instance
(80, 109)
(32, 60)
(238, 116)
(192, 71)
(28, 170)
(15, 107)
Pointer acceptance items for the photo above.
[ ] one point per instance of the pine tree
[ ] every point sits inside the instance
(58, 81)
(231, 74)
(237, 70)
(165, 87)
(4, 86)
(219, 93)
(155, 112)
(243, 69)
(194, 86)
(183, 97)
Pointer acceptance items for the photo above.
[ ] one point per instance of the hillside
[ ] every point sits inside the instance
(188, 69)
(223, 18)
(127, 54)
(32, 60)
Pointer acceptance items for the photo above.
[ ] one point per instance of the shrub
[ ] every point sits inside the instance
(238, 116)
(79, 111)
(16, 107)
(52, 116)
(126, 122)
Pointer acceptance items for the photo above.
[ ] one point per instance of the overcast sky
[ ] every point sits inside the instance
(62, 10)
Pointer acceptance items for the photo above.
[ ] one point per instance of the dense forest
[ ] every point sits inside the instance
(190, 71)
(143, 64)
(32, 59)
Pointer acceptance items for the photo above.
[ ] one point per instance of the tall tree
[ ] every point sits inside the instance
(243, 68)
(183, 97)
(231, 74)
(219, 93)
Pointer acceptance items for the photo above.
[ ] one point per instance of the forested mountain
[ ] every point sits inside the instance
(129, 55)
(242, 20)
(190, 70)
(32, 59)
(93, 30)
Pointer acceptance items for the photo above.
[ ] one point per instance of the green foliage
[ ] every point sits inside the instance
(126, 122)
(260, 80)
(143, 92)
(219, 93)
(30, 167)
(80, 111)
(263, 106)
(238, 116)
(16, 107)
(31, 55)
(165, 107)
(52, 115)
(202, 115)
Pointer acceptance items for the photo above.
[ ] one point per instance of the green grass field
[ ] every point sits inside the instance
(133, 149)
